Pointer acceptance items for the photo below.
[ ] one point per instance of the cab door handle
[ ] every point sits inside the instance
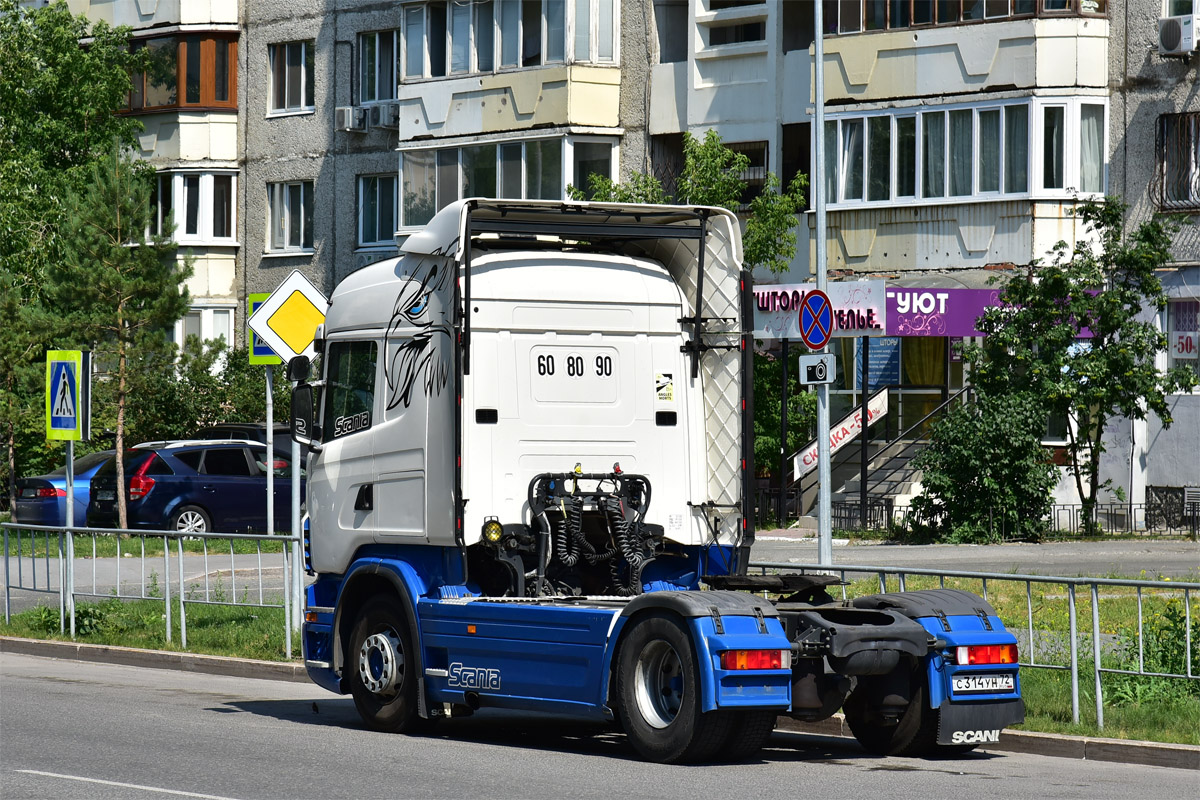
(365, 499)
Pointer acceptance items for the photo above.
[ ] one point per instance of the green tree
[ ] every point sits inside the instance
(802, 411)
(118, 289)
(1077, 336)
(57, 104)
(985, 473)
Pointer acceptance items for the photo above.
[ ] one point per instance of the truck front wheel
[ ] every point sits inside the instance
(382, 667)
(658, 694)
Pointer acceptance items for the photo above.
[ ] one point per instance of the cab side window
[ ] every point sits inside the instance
(349, 388)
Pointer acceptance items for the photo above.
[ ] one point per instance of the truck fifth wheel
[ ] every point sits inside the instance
(529, 488)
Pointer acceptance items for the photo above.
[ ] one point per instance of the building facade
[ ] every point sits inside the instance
(188, 104)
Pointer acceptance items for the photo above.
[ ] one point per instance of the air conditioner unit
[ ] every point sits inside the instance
(350, 118)
(385, 115)
(1177, 35)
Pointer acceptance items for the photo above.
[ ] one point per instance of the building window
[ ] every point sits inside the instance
(590, 158)
(457, 37)
(377, 66)
(205, 203)
(291, 77)
(290, 216)
(206, 324)
(376, 209)
(1176, 183)
(196, 70)
(967, 152)
(432, 179)
(1183, 334)
(855, 16)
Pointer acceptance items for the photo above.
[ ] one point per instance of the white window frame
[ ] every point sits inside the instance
(570, 21)
(1034, 152)
(566, 165)
(211, 325)
(176, 183)
(305, 79)
(1169, 323)
(278, 209)
(593, 54)
(381, 240)
(380, 75)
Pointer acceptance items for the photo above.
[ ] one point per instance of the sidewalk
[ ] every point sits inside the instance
(1178, 756)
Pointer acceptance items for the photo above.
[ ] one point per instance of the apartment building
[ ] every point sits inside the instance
(188, 104)
(959, 134)
(362, 120)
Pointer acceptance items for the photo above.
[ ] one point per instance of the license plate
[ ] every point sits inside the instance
(991, 684)
(106, 494)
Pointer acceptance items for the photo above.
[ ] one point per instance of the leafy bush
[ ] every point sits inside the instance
(986, 475)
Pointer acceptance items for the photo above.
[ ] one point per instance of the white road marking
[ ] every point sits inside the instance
(123, 785)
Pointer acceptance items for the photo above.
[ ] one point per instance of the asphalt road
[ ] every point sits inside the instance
(78, 730)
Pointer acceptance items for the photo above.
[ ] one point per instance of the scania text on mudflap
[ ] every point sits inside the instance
(530, 488)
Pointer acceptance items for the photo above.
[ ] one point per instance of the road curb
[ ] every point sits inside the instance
(156, 659)
(1178, 756)
(1087, 748)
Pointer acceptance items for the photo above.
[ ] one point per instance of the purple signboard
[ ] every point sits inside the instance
(937, 312)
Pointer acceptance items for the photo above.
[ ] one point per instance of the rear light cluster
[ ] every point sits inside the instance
(986, 654)
(756, 659)
(44, 491)
(140, 486)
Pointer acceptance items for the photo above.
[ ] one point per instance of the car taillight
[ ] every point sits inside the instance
(140, 486)
(43, 491)
(986, 654)
(756, 659)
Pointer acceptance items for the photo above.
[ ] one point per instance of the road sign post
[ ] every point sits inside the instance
(69, 419)
(287, 322)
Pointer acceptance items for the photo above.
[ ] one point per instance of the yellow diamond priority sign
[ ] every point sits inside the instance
(287, 321)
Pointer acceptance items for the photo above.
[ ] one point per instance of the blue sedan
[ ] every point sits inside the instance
(42, 500)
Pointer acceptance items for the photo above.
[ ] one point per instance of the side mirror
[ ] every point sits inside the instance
(304, 429)
(298, 369)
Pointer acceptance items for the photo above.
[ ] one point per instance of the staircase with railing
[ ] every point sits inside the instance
(890, 478)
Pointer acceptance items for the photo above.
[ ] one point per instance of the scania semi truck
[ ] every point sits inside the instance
(531, 487)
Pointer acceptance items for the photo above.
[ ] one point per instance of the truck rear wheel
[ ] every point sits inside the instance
(382, 667)
(658, 694)
(913, 734)
(748, 732)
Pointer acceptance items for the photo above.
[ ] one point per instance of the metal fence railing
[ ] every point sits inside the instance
(1135, 649)
(71, 563)
(883, 513)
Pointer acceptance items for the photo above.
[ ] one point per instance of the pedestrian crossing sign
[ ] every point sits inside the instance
(68, 395)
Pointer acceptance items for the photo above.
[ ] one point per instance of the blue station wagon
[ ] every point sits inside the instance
(195, 486)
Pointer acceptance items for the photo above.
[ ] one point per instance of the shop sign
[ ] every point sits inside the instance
(858, 309)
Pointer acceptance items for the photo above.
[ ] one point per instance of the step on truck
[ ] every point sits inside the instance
(530, 488)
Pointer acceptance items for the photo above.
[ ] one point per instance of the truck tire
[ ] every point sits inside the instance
(658, 694)
(748, 732)
(382, 667)
(914, 734)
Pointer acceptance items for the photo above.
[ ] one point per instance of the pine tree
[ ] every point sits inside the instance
(118, 289)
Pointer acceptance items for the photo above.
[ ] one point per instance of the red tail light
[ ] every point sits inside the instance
(986, 654)
(50, 491)
(756, 659)
(140, 486)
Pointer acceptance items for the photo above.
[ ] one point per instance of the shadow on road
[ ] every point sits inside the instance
(549, 733)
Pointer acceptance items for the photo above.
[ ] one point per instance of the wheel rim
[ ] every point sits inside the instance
(381, 663)
(190, 521)
(659, 684)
